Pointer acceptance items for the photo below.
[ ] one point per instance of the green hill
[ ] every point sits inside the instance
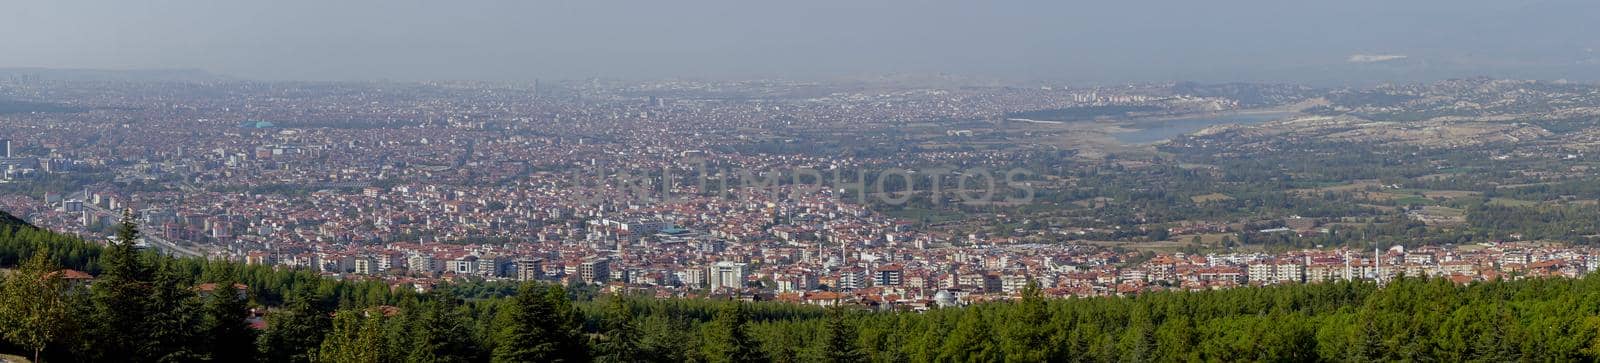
(7, 220)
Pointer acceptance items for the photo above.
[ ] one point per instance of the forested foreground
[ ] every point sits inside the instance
(143, 308)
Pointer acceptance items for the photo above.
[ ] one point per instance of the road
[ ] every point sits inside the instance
(170, 247)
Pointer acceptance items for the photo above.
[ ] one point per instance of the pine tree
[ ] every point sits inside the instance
(841, 343)
(665, 339)
(1139, 341)
(121, 298)
(539, 325)
(295, 332)
(33, 306)
(972, 340)
(397, 330)
(620, 338)
(1369, 343)
(174, 319)
(1027, 335)
(225, 326)
(731, 341)
(1175, 339)
(519, 336)
(121, 257)
(439, 333)
(355, 337)
(1501, 340)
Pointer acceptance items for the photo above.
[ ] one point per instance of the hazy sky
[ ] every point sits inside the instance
(1061, 39)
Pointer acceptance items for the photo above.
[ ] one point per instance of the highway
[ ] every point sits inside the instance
(170, 247)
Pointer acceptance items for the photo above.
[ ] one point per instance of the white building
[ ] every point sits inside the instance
(726, 274)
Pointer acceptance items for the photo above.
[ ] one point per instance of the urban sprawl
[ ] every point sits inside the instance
(419, 184)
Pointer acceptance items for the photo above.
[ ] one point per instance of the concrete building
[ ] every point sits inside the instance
(694, 277)
(852, 278)
(422, 264)
(529, 269)
(726, 275)
(595, 270)
(464, 265)
(366, 265)
(890, 275)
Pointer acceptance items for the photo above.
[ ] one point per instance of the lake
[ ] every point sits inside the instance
(1153, 130)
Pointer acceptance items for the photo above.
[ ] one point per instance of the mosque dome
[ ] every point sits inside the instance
(945, 299)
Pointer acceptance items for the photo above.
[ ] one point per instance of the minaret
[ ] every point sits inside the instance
(622, 249)
(1347, 273)
(1377, 266)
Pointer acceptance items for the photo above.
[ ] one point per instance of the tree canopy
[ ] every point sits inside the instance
(146, 308)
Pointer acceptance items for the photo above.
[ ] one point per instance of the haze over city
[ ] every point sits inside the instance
(1108, 41)
(809, 181)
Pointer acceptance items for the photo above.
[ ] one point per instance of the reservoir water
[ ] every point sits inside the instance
(1158, 130)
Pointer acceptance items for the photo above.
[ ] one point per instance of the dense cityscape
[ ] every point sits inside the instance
(368, 181)
(418, 184)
